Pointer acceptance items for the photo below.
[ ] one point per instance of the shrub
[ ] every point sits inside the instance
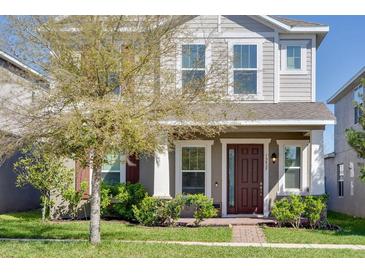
(203, 207)
(73, 198)
(120, 199)
(314, 206)
(289, 210)
(153, 211)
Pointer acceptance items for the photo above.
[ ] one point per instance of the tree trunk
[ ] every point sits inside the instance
(95, 206)
(44, 212)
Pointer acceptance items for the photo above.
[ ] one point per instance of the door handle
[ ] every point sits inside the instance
(260, 189)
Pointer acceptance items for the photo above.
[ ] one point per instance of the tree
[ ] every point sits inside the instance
(112, 88)
(356, 137)
(44, 171)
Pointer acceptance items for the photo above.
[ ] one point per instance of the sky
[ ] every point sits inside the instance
(340, 56)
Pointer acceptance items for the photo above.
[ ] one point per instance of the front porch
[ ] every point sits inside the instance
(244, 170)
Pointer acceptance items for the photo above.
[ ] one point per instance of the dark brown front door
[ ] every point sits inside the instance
(245, 178)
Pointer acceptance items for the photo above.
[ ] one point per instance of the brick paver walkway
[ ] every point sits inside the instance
(248, 234)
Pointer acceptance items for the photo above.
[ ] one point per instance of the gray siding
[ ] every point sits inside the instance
(242, 23)
(353, 201)
(298, 87)
(13, 198)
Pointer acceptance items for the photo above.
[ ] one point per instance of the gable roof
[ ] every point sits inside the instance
(343, 90)
(296, 23)
(20, 65)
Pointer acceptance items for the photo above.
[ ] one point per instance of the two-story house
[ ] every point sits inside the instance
(273, 145)
(342, 167)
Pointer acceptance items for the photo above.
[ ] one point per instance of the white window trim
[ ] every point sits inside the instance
(179, 69)
(304, 165)
(259, 94)
(338, 180)
(207, 144)
(283, 51)
(266, 143)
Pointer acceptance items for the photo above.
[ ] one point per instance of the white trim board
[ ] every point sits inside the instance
(207, 144)
(265, 142)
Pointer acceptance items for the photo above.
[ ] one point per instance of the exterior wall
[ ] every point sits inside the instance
(297, 87)
(13, 198)
(354, 190)
(293, 87)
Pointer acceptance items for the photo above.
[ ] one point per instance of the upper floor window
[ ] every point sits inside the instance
(245, 69)
(358, 102)
(293, 56)
(193, 65)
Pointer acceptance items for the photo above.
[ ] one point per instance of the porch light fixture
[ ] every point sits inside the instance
(273, 158)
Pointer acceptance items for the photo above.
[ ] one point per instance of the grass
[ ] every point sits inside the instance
(353, 232)
(29, 225)
(145, 250)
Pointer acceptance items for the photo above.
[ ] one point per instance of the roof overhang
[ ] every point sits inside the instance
(21, 65)
(334, 98)
(280, 122)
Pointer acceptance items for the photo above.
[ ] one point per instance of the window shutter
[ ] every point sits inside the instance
(132, 169)
(82, 175)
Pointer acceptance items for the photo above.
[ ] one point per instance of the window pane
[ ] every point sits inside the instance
(231, 168)
(113, 163)
(292, 156)
(193, 182)
(245, 56)
(111, 177)
(293, 57)
(193, 158)
(292, 178)
(193, 78)
(193, 56)
(245, 82)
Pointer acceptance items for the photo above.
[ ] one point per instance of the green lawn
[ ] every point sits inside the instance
(29, 225)
(353, 232)
(111, 249)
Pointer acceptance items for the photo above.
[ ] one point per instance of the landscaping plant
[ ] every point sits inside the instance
(289, 210)
(118, 200)
(203, 207)
(154, 211)
(73, 198)
(314, 207)
(43, 170)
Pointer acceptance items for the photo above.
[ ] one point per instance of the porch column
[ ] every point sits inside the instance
(161, 178)
(317, 163)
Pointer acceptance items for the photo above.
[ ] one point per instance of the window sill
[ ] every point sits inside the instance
(288, 193)
(244, 97)
(294, 72)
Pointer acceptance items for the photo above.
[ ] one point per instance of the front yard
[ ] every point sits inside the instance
(29, 225)
(353, 232)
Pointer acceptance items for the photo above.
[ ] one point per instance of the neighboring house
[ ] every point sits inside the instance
(275, 144)
(12, 198)
(345, 189)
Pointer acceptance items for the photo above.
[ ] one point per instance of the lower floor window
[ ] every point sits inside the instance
(110, 171)
(292, 167)
(340, 189)
(193, 170)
